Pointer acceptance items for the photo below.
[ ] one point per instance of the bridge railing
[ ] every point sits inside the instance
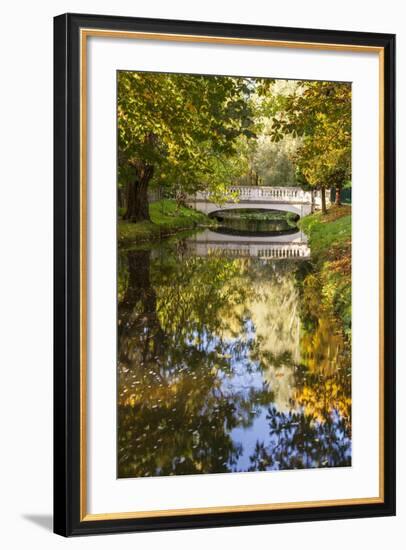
(263, 193)
(262, 251)
(289, 194)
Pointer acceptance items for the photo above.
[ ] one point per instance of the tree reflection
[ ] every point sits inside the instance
(317, 433)
(298, 440)
(175, 411)
(326, 354)
(205, 346)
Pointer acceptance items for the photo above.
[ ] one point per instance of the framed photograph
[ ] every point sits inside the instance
(224, 274)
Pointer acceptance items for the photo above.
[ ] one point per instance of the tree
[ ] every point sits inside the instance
(178, 130)
(321, 113)
(310, 168)
(266, 162)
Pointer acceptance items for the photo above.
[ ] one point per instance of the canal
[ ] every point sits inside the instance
(225, 362)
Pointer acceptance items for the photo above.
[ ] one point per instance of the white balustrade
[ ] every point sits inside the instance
(299, 251)
(262, 193)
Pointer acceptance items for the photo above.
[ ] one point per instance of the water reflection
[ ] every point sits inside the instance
(242, 221)
(223, 366)
(289, 245)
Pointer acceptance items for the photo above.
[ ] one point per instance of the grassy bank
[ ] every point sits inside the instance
(330, 244)
(329, 234)
(167, 218)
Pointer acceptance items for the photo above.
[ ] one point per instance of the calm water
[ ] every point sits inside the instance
(225, 362)
(242, 221)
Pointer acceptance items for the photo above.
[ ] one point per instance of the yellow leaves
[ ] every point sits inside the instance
(323, 397)
(190, 107)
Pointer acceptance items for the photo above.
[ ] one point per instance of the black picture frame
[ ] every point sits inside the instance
(67, 351)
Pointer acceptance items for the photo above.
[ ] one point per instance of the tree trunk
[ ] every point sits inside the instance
(313, 201)
(137, 194)
(323, 200)
(338, 196)
(180, 199)
(139, 322)
(120, 202)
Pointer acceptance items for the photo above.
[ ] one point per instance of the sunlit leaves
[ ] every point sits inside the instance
(319, 112)
(194, 121)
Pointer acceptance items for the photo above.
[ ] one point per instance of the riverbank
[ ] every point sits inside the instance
(330, 243)
(167, 218)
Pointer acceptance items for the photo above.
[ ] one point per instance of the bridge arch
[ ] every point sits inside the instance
(285, 199)
(285, 207)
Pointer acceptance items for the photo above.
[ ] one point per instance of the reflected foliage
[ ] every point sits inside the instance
(255, 222)
(222, 368)
(297, 440)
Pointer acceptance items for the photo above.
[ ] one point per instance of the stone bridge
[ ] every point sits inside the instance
(287, 199)
(282, 247)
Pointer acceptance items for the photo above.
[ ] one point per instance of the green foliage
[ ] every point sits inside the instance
(267, 162)
(184, 126)
(187, 133)
(260, 215)
(320, 113)
(330, 243)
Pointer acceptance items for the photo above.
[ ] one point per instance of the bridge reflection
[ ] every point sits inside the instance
(280, 247)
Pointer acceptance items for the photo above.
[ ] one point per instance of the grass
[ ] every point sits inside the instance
(167, 218)
(328, 233)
